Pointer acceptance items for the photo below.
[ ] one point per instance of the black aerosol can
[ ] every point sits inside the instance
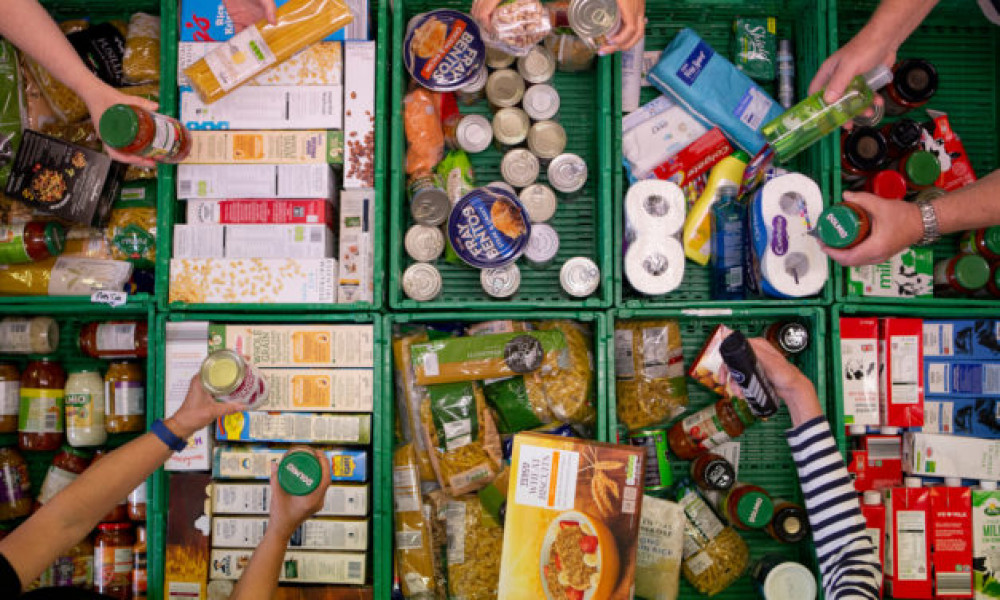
(742, 362)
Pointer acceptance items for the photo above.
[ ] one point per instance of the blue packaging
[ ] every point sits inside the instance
(728, 233)
(714, 91)
(962, 378)
(945, 415)
(962, 339)
(208, 21)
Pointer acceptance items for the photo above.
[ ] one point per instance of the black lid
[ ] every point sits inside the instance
(905, 133)
(865, 149)
(720, 474)
(915, 80)
(790, 523)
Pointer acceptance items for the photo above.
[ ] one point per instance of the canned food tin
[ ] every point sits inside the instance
(567, 173)
(538, 66)
(502, 185)
(501, 282)
(443, 50)
(510, 128)
(504, 88)
(543, 245)
(300, 473)
(498, 59)
(488, 228)
(594, 21)
(540, 202)
(424, 243)
(580, 277)
(541, 102)
(474, 133)
(422, 282)
(777, 578)
(475, 90)
(658, 475)
(519, 168)
(429, 203)
(546, 140)
(230, 378)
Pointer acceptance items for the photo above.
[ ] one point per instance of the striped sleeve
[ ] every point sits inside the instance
(847, 560)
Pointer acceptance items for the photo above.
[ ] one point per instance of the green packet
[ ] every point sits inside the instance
(755, 47)
(455, 414)
(513, 406)
(476, 358)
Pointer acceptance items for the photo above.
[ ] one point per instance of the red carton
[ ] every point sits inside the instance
(956, 170)
(696, 159)
(901, 372)
(859, 375)
(951, 541)
(878, 464)
(908, 551)
(873, 511)
(251, 211)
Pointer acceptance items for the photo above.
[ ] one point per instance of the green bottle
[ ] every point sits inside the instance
(812, 119)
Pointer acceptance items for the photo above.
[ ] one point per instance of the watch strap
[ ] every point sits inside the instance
(928, 217)
(168, 437)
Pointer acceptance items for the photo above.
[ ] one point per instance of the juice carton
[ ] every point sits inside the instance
(901, 378)
(951, 540)
(907, 555)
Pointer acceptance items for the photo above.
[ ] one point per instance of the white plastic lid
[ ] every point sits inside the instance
(879, 77)
(872, 498)
(790, 581)
(913, 482)
(988, 485)
(953, 482)
(885, 430)
(857, 430)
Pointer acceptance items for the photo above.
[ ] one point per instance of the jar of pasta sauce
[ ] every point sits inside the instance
(962, 274)
(113, 560)
(15, 485)
(984, 242)
(124, 398)
(118, 514)
(66, 466)
(115, 339)
(40, 421)
(230, 378)
(10, 397)
(709, 428)
(748, 506)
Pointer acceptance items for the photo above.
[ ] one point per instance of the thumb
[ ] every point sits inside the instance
(270, 12)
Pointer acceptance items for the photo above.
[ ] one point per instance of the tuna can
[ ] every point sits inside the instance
(429, 203)
(230, 378)
(300, 473)
(543, 246)
(498, 59)
(504, 89)
(546, 140)
(580, 277)
(519, 168)
(567, 173)
(488, 228)
(424, 243)
(443, 50)
(474, 134)
(777, 578)
(540, 202)
(510, 128)
(658, 476)
(541, 102)
(502, 185)
(501, 282)
(422, 282)
(594, 21)
(538, 66)
(475, 90)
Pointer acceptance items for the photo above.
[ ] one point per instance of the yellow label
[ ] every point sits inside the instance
(232, 425)
(311, 346)
(248, 147)
(311, 391)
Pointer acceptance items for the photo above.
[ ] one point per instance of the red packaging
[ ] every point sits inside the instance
(873, 511)
(901, 372)
(696, 159)
(956, 170)
(908, 547)
(878, 464)
(260, 212)
(951, 541)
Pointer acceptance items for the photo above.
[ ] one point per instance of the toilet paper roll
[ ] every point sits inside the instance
(655, 207)
(655, 266)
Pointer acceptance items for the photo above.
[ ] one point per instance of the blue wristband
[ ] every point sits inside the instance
(167, 437)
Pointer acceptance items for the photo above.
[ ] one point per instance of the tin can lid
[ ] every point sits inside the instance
(540, 202)
(790, 581)
(510, 126)
(299, 473)
(498, 59)
(593, 18)
(505, 88)
(547, 139)
(424, 243)
(872, 498)
(543, 245)
(567, 173)
(474, 133)
(519, 168)
(430, 206)
(541, 102)
(422, 282)
(580, 277)
(923, 168)
(755, 509)
(839, 226)
(538, 66)
(502, 282)
(433, 56)
(972, 271)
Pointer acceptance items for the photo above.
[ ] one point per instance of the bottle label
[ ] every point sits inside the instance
(705, 430)
(130, 398)
(138, 495)
(10, 398)
(624, 354)
(56, 481)
(79, 411)
(12, 250)
(41, 411)
(83, 570)
(133, 241)
(14, 483)
(941, 273)
(240, 58)
(117, 338)
(113, 566)
(167, 137)
(15, 335)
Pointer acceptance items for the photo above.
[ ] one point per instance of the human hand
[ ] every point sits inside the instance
(794, 388)
(288, 511)
(863, 53)
(633, 27)
(199, 410)
(482, 11)
(101, 97)
(245, 13)
(896, 226)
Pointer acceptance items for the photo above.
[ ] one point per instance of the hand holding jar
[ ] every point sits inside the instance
(298, 488)
(199, 410)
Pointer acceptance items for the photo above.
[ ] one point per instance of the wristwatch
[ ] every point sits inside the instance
(929, 218)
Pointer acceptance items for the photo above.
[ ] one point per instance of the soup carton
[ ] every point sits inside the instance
(908, 551)
(901, 376)
(951, 540)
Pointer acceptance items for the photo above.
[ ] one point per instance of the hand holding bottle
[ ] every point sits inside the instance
(895, 226)
(791, 385)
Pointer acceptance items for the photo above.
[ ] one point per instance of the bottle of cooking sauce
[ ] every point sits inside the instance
(139, 565)
(85, 407)
(844, 225)
(113, 560)
(66, 466)
(137, 503)
(713, 472)
(920, 169)
(15, 485)
(115, 339)
(890, 185)
(914, 83)
(962, 274)
(10, 397)
(40, 421)
(31, 242)
(144, 133)
(992, 287)
(124, 398)
(984, 242)
(864, 152)
(709, 428)
(748, 506)
(29, 335)
(902, 136)
(789, 524)
(82, 556)
(118, 514)
(791, 338)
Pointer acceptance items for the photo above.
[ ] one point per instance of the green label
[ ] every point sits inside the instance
(41, 411)
(515, 412)
(482, 348)
(134, 241)
(12, 250)
(453, 409)
(335, 147)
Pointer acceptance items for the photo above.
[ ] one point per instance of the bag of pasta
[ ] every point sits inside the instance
(649, 369)
(435, 515)
(568, 380)
(461, 437)
(64, 102)
(520, 403)
(480, 357)
(141, 63)
(414, 550)
(409, 395)
(132, 228)
(475, 544)
(715, 555)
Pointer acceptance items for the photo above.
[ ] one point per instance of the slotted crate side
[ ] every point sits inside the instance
(965, 48)
(765, 458)
(802, 21)
(583, 223)
(171, 211)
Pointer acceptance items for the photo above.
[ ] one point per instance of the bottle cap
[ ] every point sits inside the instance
(299, 473)
(719, 474)
(55, 238)
(839, 226)
(905, 133)
(119, 126)
(915, 80)
(872, 498)
(913, 482)
(888, 184)
(987, 485)
(953, 482)
(879, 77)
(754, 509)
(922, 168)
(741, 156)
(991, 239)
(972, 271)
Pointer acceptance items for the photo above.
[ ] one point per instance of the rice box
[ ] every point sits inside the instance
(305, 428)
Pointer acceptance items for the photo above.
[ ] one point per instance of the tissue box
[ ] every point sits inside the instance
(254, 181)
(271, 107)
(659, 130)
(306, 346)
(294, 427)
(254, 462)
(909, 274)
(255, 499)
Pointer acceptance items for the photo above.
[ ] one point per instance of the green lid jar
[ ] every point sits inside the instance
(961, 274)
(843, 225)
(300, 473)
(748, 507)
(119, 126)
(921, 169)
(984, 242)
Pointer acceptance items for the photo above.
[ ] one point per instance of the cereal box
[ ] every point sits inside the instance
(186, 565)
(298, 567)
(576, 507)
(312, 534)
(711, 371)
(255, 499)
(359, 115)
(254, 462)
(259, 211)
(253, 280)
(357, 208)
(266, 147)
(304, 428)
(307, 346)
(254, 181)
(271, 107)
(319, 64)
(319, 390)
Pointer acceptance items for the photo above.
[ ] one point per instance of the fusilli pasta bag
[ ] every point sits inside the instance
(649, 370)
(413, 543)
(568, 380)
(475, 543)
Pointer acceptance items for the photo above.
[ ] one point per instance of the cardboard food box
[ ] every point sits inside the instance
(186, 562)
(986, 418)
(909, 274)
(317, 592)
(873, 512)
(312, 534)
(303, 428)
(251, 211)
(318, 64)
(359, 115)
(185, 348)
(208, 21)
(304, 242)
(985, 541)
(929, 454)
(271, 107)
(878, 464)
(254, 462)
(972, 379)
(907, 555)
(901, 373)
(199, 241)
(253, 280)
(266, 147)
(951, 541)
(255, 499)
(953, 416)
(944, 143)
(962, 339)
(576, 504)
(346, 568)
(357, 248)
(319, 390)
(859, 379)
(307, 346)
(254, 181)
(710, 370)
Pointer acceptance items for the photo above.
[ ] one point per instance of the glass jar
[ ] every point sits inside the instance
(903, 136)
(789, 524)
(713, 472)
(113, 560)
(29, 335)
(118, 514)
(15, 485)
(230, 378)
(984, 242)
(920, 169)
(961, 274)
(40, 420)
(66, 466)
(115, 339)
(10, 397)
(748, 506)
(137, 131)
(85, 407)
(709, 428)
(139, 565)
(992, 288)
(124, 398)
(75, 568)
(890, 185)
(864, 152)
(914, 83)
(30, 242)
(791, 338)
(137, 503)
(844, 225)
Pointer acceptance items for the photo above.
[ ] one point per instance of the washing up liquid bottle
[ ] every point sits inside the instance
(810, 120)
(698, 225)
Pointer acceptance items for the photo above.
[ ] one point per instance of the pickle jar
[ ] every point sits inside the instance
(15, 485)
(10, 397)
(113, 560)
(40, 421)
(115, 339)
(66, 466)
(124, 398)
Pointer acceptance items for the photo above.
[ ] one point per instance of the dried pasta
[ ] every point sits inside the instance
(141, 63)
(414, 551)
(475, 542)
(649, 367)
(569, 382)
(64, 102)
(714, 554)
(408, 397)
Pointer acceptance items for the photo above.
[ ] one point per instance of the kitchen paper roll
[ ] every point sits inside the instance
(655, 207)
(655, 266)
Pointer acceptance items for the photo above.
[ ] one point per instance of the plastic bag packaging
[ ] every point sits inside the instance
(475, 358)
(132, 227)
(141, 63)
(73, 25)
(755, 47)
(569, 383)
(81, 133)
(11, 108)
(86, 242)
(64, 276)
(661, 546)
(516, 26)
(474, 548)
(102, 48)
(715, 555)
(572, 54)
(520, 403)
(414, 552)
(13, 212)
(37, 112)
(149, 91)
(409, 395)
(300, 23)
(65, 104)
(424, 133)
(649, 369)
(435, 515)
(711, 371)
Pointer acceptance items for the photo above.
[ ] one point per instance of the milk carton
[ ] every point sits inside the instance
(986, 540)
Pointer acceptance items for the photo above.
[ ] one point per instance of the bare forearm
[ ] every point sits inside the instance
(897, 19)
(260, 577)
(803, 408)
(972, 207)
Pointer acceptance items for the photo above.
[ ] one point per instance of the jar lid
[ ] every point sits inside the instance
(720, 474)
(923, 168)
(754, 509)
(114, 526)
(905, 133)
(790, 581)
(889, 184)
(119, 126)
(86, 367)
(865, 148)
(839, 226)
(991, 238)
(299, 473)
(972, 271)
(915, 80)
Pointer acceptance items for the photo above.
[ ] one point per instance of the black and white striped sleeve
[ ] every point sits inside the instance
(847, 560)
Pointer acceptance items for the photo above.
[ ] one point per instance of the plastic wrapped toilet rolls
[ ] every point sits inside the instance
(655, 266)
(654, 217)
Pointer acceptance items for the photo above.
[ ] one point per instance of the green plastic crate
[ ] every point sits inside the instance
(765, 458)
(381, 450)
(171, 211)
(582, 223)
(965, 48)
(802, 21)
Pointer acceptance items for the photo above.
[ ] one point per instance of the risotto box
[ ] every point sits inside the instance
(265, 147)
(306, 428)
(319, 390)
(255, 499)
(576, 504)
(297, 567)
(253, 280)
(306, 346)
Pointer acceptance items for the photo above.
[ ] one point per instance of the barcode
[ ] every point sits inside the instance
(354, 570)
(51, 423)
(887, 449)
(184, 187)
(316, 235)
(16, 328)
(954, 584)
